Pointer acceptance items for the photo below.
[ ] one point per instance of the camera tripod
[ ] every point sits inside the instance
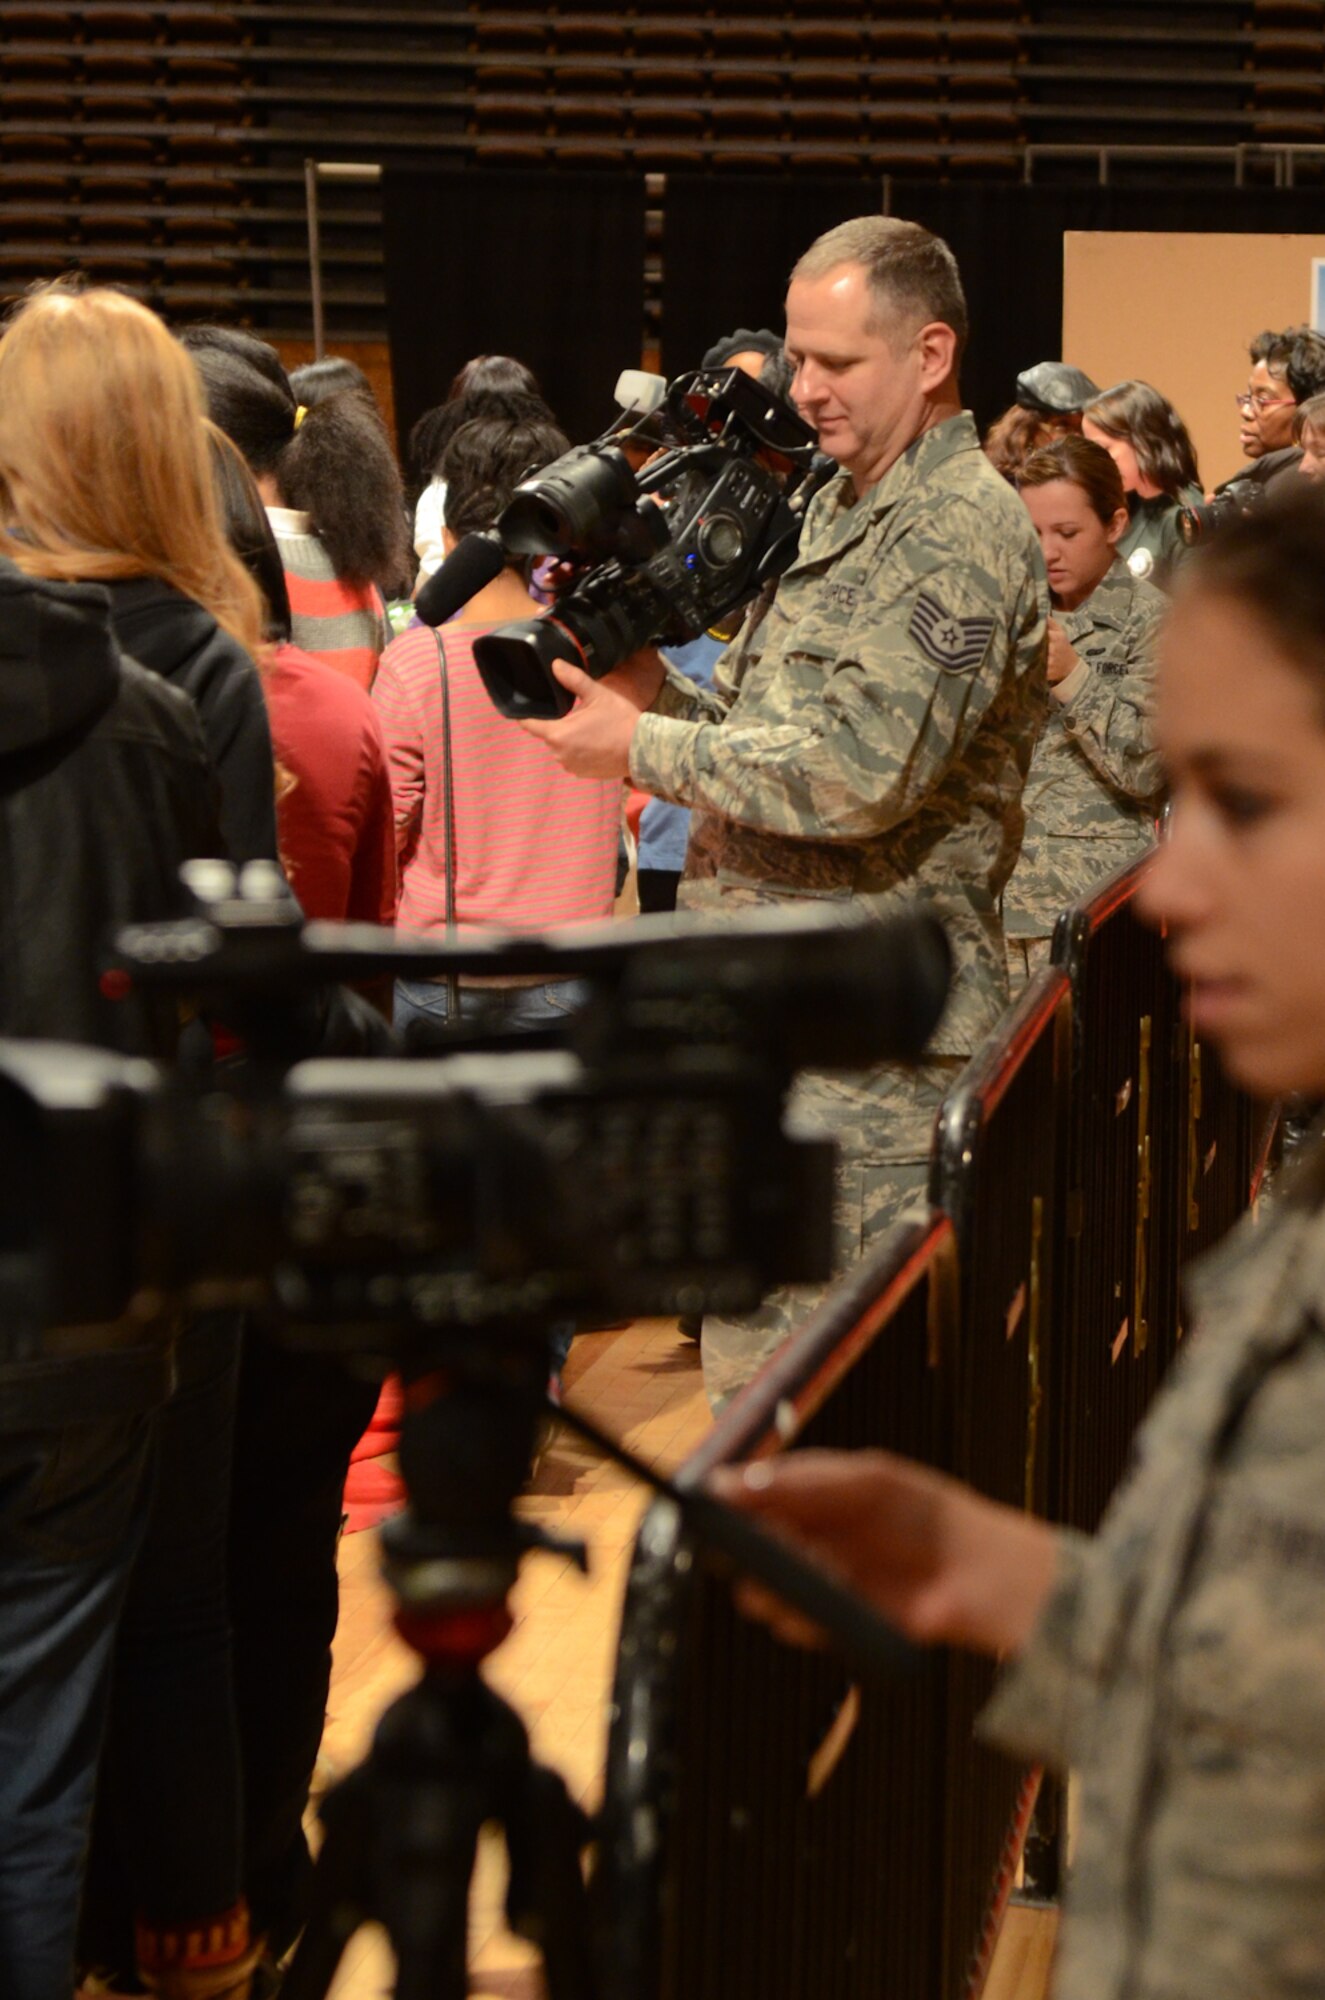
(450, 1756)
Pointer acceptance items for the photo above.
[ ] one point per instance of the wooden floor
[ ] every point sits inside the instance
(644, 1384)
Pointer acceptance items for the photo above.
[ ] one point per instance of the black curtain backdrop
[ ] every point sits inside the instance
(550, 267)
(730, 243)
(547, 267)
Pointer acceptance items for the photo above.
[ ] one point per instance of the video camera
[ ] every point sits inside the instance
(407, 1214)
(691, 536)
(1237, 498)
(644, 1168)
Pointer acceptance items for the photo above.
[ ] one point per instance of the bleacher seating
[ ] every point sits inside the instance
(903, 87)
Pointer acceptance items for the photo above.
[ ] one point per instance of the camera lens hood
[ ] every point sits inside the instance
(515, 666)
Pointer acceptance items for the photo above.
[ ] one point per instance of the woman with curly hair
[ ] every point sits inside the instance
(1013, 437)
(332, 488)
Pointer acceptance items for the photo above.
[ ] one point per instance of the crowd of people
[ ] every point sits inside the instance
(949, 698)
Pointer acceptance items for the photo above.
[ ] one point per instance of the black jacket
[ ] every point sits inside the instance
(105, 788)
(183, 643)
(1266, 470)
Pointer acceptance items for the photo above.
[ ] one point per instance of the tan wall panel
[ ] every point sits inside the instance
(1178, 311)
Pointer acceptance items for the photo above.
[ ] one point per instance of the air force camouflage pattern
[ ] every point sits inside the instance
(866, 742)
(1179, 1666)
(1095, 781)
(867, 739)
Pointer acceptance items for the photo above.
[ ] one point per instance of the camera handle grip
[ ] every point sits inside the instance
(868, 1640)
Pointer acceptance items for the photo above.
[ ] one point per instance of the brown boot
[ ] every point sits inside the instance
(214, 1960)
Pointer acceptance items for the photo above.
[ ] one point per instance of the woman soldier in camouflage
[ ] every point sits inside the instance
(1094, 782)
(1176, 1661)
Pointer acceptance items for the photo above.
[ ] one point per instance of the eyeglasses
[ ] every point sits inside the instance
(1260, 402)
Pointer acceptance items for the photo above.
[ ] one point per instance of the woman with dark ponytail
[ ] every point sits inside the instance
(490, 385)
(332, 489)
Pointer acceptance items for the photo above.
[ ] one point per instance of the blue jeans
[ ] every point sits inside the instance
(428, 1001)
(72, 1507)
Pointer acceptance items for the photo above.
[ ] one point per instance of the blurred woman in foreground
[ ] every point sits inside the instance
(1176, 1660)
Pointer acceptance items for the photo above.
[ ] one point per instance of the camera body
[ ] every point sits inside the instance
(364, 1202)
(370, 1206)
(664, 553)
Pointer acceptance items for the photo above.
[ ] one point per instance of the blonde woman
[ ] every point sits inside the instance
(105, 479)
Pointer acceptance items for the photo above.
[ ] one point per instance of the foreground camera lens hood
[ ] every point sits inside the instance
(515, 666)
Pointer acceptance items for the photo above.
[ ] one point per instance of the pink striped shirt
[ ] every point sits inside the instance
(534, 846)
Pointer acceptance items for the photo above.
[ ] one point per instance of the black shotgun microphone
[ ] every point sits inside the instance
(473, 562)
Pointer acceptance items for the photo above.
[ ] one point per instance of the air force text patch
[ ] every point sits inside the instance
(955, 644)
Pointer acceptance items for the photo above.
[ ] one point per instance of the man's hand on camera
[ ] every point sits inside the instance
(594, 740)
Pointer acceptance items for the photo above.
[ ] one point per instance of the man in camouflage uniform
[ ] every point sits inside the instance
(867, 738)
(1095, 781)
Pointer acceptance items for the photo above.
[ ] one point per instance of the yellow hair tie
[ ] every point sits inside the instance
(299, 416)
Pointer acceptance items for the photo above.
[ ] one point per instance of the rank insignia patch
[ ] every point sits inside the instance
(955, 644)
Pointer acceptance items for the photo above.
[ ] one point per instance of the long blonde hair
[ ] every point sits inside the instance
(104, 469)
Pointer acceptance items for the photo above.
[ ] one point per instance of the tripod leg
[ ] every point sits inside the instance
(547, 1901)
(434, 1790)
(338, 1906)
(428, 1920)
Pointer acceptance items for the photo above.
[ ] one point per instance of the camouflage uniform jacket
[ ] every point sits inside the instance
(1179, 1666)
(1095, 779)
(867, 738)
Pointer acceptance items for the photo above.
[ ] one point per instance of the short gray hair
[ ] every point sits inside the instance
(912, 275)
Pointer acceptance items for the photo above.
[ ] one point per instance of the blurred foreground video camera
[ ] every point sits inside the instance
(669, 550)
(371, 1205)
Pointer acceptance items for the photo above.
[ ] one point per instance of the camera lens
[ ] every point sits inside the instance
(571, 504)
(721, 540)
(515, 666)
